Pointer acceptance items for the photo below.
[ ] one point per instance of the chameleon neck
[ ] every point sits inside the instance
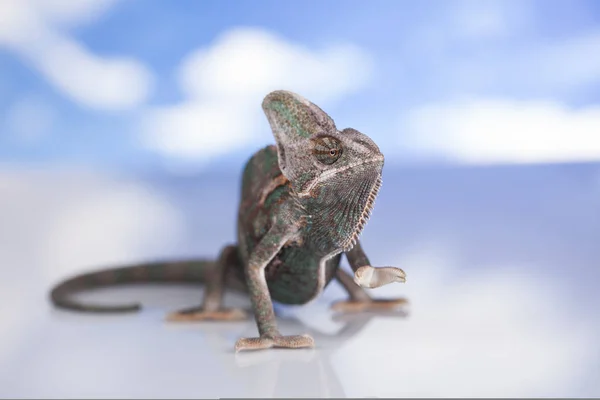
(339, 209)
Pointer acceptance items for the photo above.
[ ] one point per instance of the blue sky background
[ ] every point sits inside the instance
(102, 102)
(466, 81)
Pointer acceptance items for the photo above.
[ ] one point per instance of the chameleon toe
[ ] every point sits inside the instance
(266, 342)
(255, 343)
(294, 341)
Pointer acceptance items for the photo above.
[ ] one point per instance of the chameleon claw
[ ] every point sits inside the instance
(371, 277)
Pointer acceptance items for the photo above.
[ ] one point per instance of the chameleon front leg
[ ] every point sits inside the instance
(212, 303)
(366, 276)
(260, 297)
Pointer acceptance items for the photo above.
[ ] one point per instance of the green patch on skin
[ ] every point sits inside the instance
(291, 116)
(270, 162)
(276, 196)
(248, 172)
(303, 179)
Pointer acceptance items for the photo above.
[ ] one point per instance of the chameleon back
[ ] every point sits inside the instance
(292, 274)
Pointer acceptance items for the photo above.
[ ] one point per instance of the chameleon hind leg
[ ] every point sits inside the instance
(358, 299)
(211, 308)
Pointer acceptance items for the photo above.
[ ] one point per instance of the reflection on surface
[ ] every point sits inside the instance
(502, 272)
(305, 373)
(489, 334)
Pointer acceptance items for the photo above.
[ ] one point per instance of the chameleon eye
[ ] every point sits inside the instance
(327, 149)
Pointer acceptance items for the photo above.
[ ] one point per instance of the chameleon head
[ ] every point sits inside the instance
(338, 170)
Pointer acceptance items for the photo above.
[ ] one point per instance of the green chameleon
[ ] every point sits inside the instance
(304, 202)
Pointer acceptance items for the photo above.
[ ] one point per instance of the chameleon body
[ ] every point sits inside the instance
(304, 203)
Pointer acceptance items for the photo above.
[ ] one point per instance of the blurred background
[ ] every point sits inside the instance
(124, 125)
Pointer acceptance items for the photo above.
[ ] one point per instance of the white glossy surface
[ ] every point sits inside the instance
(501, 279)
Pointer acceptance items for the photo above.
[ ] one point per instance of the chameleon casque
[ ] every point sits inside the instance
(304, 202)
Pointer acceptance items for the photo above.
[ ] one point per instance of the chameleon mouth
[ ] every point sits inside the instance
(364, 216)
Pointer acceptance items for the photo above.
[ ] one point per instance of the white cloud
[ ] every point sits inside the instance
(110, 223)
(35, 30)
(85, 221)
(226, 82)
(503, 131)
(73, 12)
(200, 129)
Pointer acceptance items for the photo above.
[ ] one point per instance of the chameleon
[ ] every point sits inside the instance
(304, 202)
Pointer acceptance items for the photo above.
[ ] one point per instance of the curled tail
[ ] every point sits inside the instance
(158, 272)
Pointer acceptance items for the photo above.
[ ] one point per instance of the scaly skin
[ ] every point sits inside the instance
(192, 271)
(303, 203)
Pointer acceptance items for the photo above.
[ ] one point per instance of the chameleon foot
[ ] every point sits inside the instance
(371, 277)
(354, 306)
(198, 314)
(267, 342)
